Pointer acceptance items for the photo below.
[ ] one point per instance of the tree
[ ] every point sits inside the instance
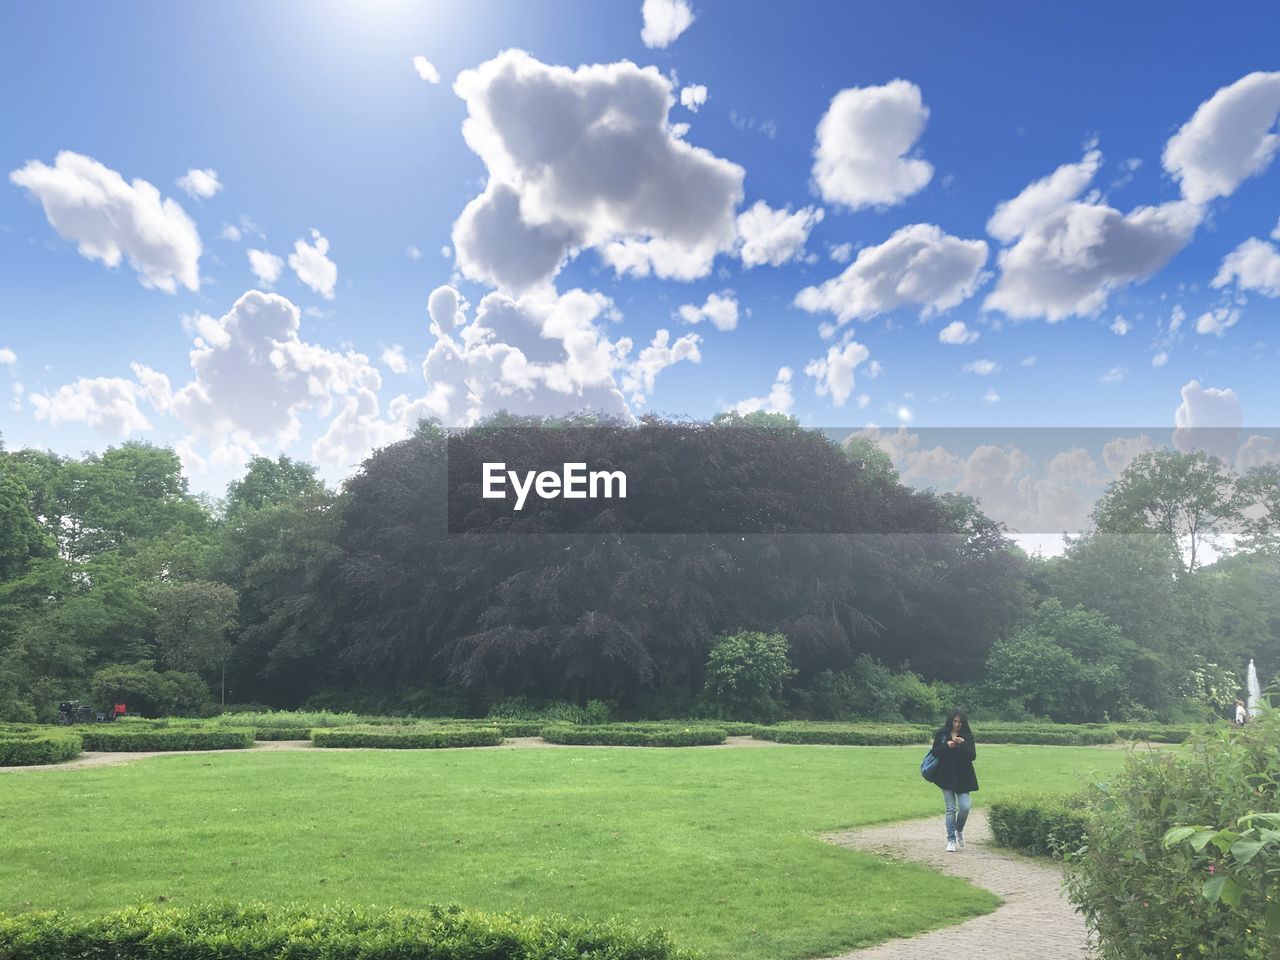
(745, 674)
(268, 483)
(1259, 493)
(193, 620)
(21, 536)
(1189, 498)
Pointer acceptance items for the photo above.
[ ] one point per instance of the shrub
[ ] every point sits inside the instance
(148, 691)
(114, 738)
(1042, 826)
(408, 737)
(635, 735)
(260, 932)
(300, 720)
(25, 749)
(871, 691)
(550, 711)
(745, 674)
(855, 735)
(1150, 890)
(282, 733)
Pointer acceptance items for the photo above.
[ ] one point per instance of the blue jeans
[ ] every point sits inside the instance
(957, 812)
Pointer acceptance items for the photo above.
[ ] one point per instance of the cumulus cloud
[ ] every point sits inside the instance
(919, 266)
(780, 399)
(107, 404)
(393, 359)
(543, 354)
(834, 373)
(773, 236)
(983, 368)
(1218, 321)
(231, 233)
(957, 334)
(265, 266)
(1208, 418)
(199, 184)
(1114, 375)
(1159, 359)
(721, 309)
(1254, 265)
(861, 158)
(693, 97)
(664, 21)
(586, 158)
(426, 70)
(1120, 326)
(8, 357)
(311, 263)
(110, 219)
(1229, 138)
(991, 396)
(1043, 198)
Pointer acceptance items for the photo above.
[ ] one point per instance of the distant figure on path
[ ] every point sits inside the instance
(954, 747)
(1242, 715)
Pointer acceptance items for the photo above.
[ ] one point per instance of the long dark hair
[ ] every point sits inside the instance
(964, 725)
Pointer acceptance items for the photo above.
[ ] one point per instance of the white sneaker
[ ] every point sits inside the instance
(959, 840)
(951, 846)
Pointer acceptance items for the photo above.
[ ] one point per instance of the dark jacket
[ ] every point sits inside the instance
(955, 764)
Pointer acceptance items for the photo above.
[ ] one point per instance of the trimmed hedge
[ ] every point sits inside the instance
(29, 749)
(261, 932)
(156, 739)
(635, 735)
(407, 737)
(282, 733)
(854, 735)
(1047, 736)
(1043, 826)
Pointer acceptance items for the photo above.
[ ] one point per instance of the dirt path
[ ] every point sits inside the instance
(1035, 920)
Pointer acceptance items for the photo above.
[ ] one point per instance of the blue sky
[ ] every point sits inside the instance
(317, 124)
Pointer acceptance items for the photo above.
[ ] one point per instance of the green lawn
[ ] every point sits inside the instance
(717, 845)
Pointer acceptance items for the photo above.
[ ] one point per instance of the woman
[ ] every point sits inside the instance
(954, 747)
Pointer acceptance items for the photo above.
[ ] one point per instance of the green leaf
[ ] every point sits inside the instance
(1272, 914)
(1232, 892)
(1212, 888)
(1200, 839)
(1177, 835)
(1246, 850)
(1224, 838)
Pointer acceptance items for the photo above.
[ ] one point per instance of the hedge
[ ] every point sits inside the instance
(282, 733)
(108, 738)
(1047, 735)
(855, 735)
(634, 735)
(407, 737)
(1043, 826)
(261, 932)
(29, 749)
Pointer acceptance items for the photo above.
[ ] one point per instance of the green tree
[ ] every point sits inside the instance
(193, 622)
(268, 483)
(745, 674)
(1259, 493)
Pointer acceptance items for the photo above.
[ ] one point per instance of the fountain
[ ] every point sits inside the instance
(1255, 691)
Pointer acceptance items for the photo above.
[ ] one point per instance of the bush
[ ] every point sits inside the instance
(550, 711)
(871, 691)
(23, 749)
(281, 733)
(300, 720)
(635, 735)
(409, 737)
(260, 932)
(854, 735)
(1043, 826)
(124, 738)
(745, 674)
(1203, 892)
(149, 692)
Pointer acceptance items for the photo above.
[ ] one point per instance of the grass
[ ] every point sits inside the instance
(717, 846)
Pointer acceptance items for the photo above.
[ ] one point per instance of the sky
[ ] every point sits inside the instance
(245, 228)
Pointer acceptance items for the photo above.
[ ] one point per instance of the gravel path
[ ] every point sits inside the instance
(1035, 920)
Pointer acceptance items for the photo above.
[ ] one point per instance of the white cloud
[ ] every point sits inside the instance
(1254, 265)
(393, 359)
(983, 368)
(231, 232)
(1208, 418)
(110, 219)
(720, 308)
(773, 236)
(834, 373)
(107, 404)
(863, 141)
(1114, 375)
(586, 158)
(1119, 452)
(780, 399)
(991, 396)
(1218, 321)
(412, 252)
(310, 261)
(1160, 359)
(1120, 326)
(842, 252)
(1042, 199)
(661, 353)
(200, 184)
(1027, 361)
(693, 97)
(8, 357)
(1230, 138)
(265, 266)
(919, 266)
(664, 21)
(957, 334)
(426, 69)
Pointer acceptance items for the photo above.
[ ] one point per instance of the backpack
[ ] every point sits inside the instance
(929, 767)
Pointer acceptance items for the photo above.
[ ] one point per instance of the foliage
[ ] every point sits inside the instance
(125, 738)
(336, 932)
(150, 692)
(869, 690)
(745, 674)
(549, 711)
(27, 749)
(407, 737)
(636, 735)
(1040, 825)
(1177, 859)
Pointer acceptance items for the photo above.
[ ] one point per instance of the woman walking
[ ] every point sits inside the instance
(954, 747)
